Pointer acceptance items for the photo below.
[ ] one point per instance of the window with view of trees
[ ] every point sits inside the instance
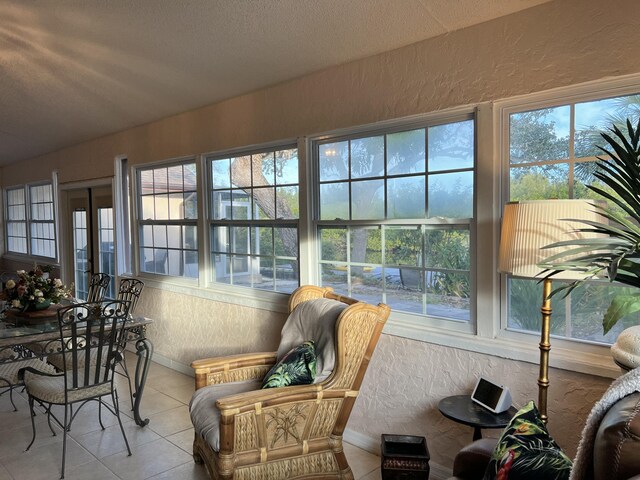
(551, 154)
(168, 218)
(30, 220)
(254, 211)
(394, 217)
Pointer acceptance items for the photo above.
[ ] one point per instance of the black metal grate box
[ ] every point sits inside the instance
(404, 457)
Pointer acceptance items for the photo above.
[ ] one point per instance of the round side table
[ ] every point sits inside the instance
(461, 409)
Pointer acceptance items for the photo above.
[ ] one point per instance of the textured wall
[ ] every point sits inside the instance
(406, 379)
(187, 328)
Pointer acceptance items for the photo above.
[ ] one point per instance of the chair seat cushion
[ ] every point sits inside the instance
(9, 370)
(51, 389)
(204, 414)
(313, 320)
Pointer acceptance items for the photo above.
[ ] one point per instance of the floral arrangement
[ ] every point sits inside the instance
(34, 290)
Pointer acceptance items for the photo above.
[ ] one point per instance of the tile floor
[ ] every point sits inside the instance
(161, 450)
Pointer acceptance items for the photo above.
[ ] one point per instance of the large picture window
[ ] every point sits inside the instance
(168, 217)
(30, 220)
(254, 210)
(394, 217)
(551, 154)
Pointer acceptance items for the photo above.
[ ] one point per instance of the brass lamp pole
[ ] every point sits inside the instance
(527, 227)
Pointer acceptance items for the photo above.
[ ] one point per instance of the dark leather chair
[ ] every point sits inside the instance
(616, 450)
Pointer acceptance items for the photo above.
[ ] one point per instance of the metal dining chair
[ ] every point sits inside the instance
(89, 334)
(98, 285)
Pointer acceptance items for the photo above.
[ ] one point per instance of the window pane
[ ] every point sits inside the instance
(539, 135)
(287, 202)
(264, 203)
(366, 285)
(286, 166)
(262, 241)
(448, 249)
(146, 182)
(405, 152)
(525, 300)
(334, 201)
(594, 118)
(367, 199)
(333, 244)
(448, 295)
(367, 157)
(539, 182)
(286, 275)
(334, 161)
(241, 171)
(240, 207)
(266, 279)
(160, 180)
(366, 245)
(409, 297)
(174, 236)
(285, 242)
(450, 195)
(451, 146)
(221, 176)
(263, 163)
(406, 197)
(403, 246)
(174, 179)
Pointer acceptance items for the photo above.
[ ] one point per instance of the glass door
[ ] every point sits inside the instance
(92, 234)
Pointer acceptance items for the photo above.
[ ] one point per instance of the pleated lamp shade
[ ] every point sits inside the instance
(530, 225)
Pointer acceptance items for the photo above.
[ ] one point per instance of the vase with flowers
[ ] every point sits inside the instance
(34, 290)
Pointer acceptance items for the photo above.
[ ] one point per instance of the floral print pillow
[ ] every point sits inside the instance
(297, 367)
(526, 451)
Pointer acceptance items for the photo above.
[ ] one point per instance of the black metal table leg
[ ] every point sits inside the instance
(144, 351)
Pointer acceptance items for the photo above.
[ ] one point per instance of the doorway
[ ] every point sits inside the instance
(91, 231)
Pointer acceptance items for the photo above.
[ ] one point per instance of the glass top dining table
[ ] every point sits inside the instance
(22, 335)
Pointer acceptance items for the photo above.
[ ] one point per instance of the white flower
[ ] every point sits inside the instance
(15, 303)
(57, 283)
(41, 300)
(38, 293)
(10, 284)
(21, 272)
(31, 297)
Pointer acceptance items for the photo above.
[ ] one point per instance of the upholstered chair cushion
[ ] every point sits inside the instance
(204, 414)
(313, 320)
(297, 367)
(9, 370)
(526, 451)
(50, 389)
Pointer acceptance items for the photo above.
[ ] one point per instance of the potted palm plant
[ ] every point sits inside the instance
(615, 253)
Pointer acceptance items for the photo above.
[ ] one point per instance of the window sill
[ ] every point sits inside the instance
(588, 359)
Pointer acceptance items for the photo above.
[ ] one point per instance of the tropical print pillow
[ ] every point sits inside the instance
(297, 367)
(526, 451)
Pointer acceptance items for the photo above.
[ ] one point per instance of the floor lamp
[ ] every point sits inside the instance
(527, 227)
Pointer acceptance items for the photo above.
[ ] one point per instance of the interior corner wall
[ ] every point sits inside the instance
(555, 44)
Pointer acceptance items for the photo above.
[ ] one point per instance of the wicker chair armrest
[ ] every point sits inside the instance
(36, 372)
(243, 402)
(224, 366)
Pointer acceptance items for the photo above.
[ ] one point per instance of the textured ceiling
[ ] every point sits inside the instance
(73, 70)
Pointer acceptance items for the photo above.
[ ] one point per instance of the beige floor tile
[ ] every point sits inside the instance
(148, 460)
(4, 475)
(109, 441)
(188, 471)
(183, 439)
(170, 421)
(375, 475)
(86, 420)
(152, 402)
(45, 462)
(172, 379)
(92, 470)
(182, 393)
(19, 437)
(360, 461)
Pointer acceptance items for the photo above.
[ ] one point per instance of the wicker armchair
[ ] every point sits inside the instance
(286, 432)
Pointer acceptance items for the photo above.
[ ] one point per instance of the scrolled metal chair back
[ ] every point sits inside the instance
(98, 286)
(89, 334)
(130, 290)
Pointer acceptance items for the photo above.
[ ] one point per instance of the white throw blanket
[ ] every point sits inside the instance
(620, 388)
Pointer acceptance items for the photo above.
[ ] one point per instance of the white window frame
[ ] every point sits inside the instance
(568, 353)
(414, 326)
(29, 222)
(141, 222)
(211, 222)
